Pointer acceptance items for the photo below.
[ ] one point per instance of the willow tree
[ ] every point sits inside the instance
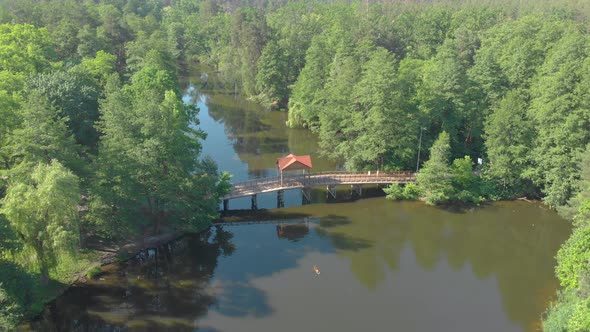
(42, 209)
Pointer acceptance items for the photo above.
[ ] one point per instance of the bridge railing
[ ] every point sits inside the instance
(324, 178)
(318, 179)
(372, 174)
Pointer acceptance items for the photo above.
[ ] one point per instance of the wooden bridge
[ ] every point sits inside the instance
(306, 181)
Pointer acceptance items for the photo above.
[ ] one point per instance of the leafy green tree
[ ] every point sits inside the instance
(100, 67)
(9, 312)
(559, 313)
(578, 207)
(249, 34)
(394, 192)
(89, 43)
(408, 192)
(65, 36)
(144, 48)
(435, 178)
(337, 107)
(559, 105)
(465, 183)
(430, 30)
(508, 140)
(450, 101)
(112, 29)
(572, 258)
(378, 126)
(305, 102)
(42, 136)
(272, 79)
(294, 27)
(155, 74)
(10, 121)
(25, 48)
(74, 94)
(149, 156)
(43, 211)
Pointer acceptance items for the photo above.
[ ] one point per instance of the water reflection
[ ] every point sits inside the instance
(292, 232)
(257, 135)
(511, 243)
(383, 263)
(164, 289)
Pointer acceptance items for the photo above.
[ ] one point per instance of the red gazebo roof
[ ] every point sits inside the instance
(293, 162)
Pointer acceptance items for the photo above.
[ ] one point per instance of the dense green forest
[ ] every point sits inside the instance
(96, 142)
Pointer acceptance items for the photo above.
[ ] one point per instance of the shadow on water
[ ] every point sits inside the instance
(164, 289)
(333, 221)
(223, 270)
(345, 241)
(512, 243)
(240, 299)
(292, 233)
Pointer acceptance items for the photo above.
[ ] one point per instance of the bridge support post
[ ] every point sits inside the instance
(225, 204)
(280, 199)
(254, 202)
(331, 191)
(305, 196)
(356, 189)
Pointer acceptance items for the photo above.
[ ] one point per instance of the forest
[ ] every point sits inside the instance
(95, 141)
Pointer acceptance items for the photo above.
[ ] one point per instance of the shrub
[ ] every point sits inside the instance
(94, 272)
(573, 257)
(411, 191)
(559, 313)
(9, 312)
(394, 192)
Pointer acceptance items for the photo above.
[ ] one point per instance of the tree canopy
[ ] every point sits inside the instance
(89, 91)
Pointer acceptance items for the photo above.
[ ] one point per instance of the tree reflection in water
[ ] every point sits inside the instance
(293, 232)
(163, 289)
(515, 251)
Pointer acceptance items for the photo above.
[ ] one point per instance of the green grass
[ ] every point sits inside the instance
(94, 272)
(21, 281)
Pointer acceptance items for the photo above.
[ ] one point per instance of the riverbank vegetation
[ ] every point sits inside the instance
(91, 111)
(96, 145)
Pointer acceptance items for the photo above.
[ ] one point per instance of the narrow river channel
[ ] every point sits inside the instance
(383, 266)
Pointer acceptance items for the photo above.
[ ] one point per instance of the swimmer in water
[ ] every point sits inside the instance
(316, 269)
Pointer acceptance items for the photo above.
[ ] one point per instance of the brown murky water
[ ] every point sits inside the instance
(384, 266)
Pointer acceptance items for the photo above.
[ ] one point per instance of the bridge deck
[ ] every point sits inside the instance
(264, 185)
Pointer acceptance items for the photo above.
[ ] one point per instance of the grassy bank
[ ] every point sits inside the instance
(31, 296)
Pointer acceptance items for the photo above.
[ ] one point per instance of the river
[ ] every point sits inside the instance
(383, 265)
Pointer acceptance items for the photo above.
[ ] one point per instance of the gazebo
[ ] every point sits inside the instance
(293, 163)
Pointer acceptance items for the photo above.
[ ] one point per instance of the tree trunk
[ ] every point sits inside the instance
(43, 269)
(44, 277)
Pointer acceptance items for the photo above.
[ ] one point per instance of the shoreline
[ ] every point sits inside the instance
(131, 249)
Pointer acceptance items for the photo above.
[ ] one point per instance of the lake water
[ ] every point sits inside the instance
(383, 265)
